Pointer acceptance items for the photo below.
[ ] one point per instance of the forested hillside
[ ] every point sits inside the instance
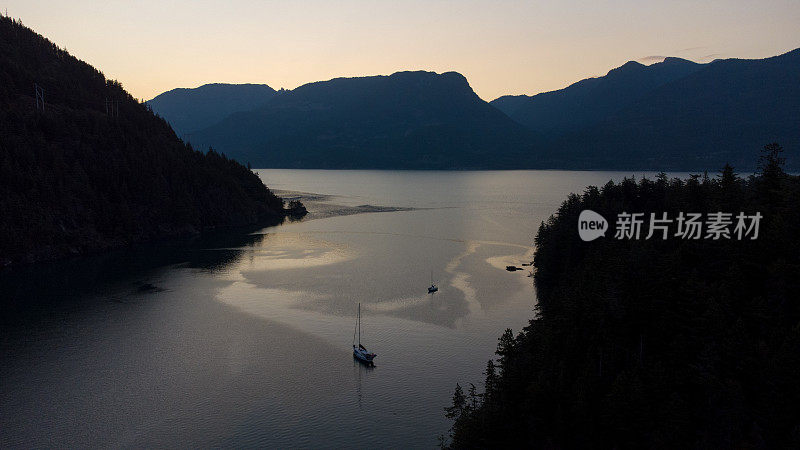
(85, 167)
(654, 343)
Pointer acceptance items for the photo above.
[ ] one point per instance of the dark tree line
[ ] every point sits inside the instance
(654, 343)
(95, 168)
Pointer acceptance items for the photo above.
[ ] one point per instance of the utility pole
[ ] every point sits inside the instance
(39, 97)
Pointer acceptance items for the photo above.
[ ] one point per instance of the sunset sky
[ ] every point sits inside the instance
(501, 46)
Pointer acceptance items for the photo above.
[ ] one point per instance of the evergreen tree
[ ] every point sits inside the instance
(505, 348)
(675, 343)
(459, 404)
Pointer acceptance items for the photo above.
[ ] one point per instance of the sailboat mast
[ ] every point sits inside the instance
(359, 324)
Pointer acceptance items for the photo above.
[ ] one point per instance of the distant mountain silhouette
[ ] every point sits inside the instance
(85, 167)
(716, 115)
(189, 110)
(674, 115)
(406, 120)
(589, 101)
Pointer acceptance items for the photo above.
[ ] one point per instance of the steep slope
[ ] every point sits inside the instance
(713, 116)
(189, 110)
(90, 168)
(417, 120)
(589, 101)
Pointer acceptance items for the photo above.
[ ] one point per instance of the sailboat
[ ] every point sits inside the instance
(433, 287)
(360, 352)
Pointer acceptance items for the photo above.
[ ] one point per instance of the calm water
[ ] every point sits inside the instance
(245, 340)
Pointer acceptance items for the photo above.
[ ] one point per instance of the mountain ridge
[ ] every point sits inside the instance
(192, 109)
(409, 119)
(587, 101)
(710, 117)
(424, 120)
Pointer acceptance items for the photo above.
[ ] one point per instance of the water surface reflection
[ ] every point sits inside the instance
(244, 339)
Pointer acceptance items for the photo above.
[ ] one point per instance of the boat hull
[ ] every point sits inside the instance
(363, 356)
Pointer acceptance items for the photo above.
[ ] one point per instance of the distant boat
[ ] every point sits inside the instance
(360, 352)
(433, 287)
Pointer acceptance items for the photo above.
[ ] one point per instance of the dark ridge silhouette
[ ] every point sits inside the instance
(701, 121)
(589, 101)
(413, 120)
(85, 167)
(673, 115)
(675, 343)
(190, 110)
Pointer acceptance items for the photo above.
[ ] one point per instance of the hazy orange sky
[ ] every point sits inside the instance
(501, 46)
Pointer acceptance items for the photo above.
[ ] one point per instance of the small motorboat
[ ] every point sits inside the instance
(433, 288)
(359, 351)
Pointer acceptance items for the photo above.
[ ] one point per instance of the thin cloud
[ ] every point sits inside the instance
(691, 49)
